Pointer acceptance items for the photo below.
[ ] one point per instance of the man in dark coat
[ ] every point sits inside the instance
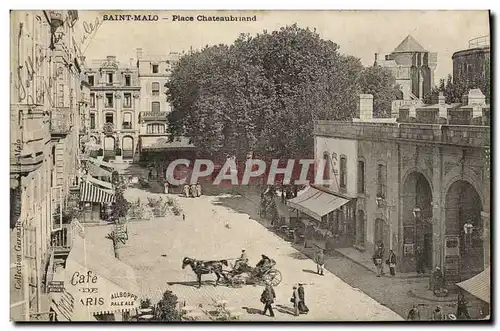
(267, 298)
(302, 300)
(462, 307)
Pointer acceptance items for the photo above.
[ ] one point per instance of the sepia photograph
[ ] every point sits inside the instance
(250, 166)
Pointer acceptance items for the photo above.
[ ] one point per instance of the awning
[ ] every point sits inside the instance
(98, 182)
(91, 193)
(316, 203)
(479, 285)
(102, 163)
(98, 283)
(162, 142)
(97, 171)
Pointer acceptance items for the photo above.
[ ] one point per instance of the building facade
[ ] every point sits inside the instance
(45, 90)
(413, 66)
(114, 108)
(416, 183)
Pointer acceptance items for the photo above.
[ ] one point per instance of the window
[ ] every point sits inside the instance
(92, 100)
(381, 181)
(127, 121)
(326, 172)
(155, 128)
(92, 120)
(361, 177)
(343, 172)
(155, 88)
(155, 68)
(110, 78)
(109, 118)
(109, 100)
(155, 107)
(127, 80)
(127, 100)
(91, 80)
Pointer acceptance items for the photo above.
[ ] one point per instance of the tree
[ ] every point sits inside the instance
(167, 308)
(264, 92)
(380, 83)
(120, 206)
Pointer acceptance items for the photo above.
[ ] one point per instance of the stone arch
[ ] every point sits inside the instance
(409, 171)
(463, 205)
(109, 143)
(467, 178)
(128, 146)
(416, 200)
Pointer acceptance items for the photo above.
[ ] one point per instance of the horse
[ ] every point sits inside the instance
(205, 268)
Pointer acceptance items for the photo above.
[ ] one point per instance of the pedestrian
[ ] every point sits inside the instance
(150, 174)
(198, 189)
(381, 248)
(303, 309)
(183, 217)
(377, 261)
(186, 191)
(193, 191)
(295, 300)
(413, 314)
(437, 314)
(267, 298)
(294, 190)
(391, 261)
(320, 262)
(166, 187)
(462, 307)
(420, 260)
(283, 194)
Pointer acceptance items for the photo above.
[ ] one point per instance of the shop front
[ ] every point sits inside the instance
(94, 286)
(328, 219)
(94, 198)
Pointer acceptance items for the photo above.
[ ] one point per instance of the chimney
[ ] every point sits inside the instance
(365, 107)
(441, 98)
(139, 53)
(376, 59)
(476, 97)
(443, 111)
(465, 99)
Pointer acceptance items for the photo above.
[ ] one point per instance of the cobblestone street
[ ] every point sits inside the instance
(213, 231)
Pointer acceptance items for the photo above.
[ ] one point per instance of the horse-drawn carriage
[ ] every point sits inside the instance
(249, 275)
(237, 276)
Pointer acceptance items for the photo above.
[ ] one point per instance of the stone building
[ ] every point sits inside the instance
(45, 68)
(114, 108)
(413, 66)
(417, 179)
(154, 144)
(472, 65)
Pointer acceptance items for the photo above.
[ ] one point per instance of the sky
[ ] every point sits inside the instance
(358, 33)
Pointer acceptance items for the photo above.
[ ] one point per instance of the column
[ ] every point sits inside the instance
(485, 218)
(438, 214)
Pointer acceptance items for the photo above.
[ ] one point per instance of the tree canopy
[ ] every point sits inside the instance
(263, 93)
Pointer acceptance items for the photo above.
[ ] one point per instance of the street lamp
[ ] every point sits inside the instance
(417, 213)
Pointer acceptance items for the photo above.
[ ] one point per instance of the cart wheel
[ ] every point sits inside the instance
(274, 277)
(237, 282)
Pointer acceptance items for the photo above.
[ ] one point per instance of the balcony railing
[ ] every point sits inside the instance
(61, 121)
(479, 42)
(127, 126)
(127, 154)
(465, 135)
